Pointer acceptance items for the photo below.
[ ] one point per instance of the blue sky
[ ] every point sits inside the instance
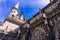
(30, 7)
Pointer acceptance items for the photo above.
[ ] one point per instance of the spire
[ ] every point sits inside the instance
(17, 5)
(22, 14)
(14, 10)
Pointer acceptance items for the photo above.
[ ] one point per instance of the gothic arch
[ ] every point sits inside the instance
(38, 34)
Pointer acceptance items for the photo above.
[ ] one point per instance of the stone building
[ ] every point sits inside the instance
(45, 25)
(10, 27)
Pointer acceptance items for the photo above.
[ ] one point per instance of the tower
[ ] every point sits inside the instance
(13, 21)
(14, 10)
(22, 16)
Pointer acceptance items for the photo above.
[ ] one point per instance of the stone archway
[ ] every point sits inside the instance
(38, 34)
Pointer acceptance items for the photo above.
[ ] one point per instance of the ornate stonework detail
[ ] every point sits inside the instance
(57, 30)
(38, 34)
(45, 25)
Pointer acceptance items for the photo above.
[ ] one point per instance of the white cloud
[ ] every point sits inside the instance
(40, 2)
(35, 3)
(43, 2)
(24, 3)
(2, 0)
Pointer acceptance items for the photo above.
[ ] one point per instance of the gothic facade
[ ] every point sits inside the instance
(45, 25)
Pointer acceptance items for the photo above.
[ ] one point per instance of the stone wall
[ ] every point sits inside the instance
(40, 31)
